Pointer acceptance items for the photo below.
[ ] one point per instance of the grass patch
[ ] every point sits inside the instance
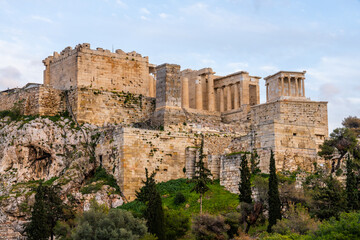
(100, 178)
(216, 201)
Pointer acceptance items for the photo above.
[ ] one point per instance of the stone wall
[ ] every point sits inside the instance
(293, 129)
(99, 69)
(229, 172)
(27, 99)
(101, 107)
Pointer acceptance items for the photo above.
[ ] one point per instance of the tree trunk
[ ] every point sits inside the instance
(247, 227)
(200, 203)
(339, 160)
(333, 166)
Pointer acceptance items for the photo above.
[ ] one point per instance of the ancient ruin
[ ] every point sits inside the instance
(161, 112)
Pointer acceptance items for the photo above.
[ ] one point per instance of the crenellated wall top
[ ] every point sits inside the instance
(85, 48)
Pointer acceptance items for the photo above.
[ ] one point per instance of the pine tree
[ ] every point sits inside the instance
(202, 175)
(244, 184)
(274, 200)
(351, 186)
(47, 210)
(154, 213)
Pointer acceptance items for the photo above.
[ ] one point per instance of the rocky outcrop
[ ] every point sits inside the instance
(58, 152)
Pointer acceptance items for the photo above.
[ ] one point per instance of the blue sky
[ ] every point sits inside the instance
(259, 36)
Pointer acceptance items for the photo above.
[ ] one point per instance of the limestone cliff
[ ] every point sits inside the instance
(55, 150)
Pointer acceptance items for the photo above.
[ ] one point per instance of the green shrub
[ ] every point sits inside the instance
(233, 220)
(176, 224)
(347, 227)
(206, 227)
(298, 221)
(101, 178)
(179, 198)
(117, 224)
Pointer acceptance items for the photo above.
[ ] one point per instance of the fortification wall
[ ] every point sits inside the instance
(293, 129)
(99, 107)
(27, 99)
(229, 172)
(99, 69)
(51, 101)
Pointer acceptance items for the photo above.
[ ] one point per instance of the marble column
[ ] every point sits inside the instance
(222, 108)
(296, 87)
(236, 96)
(198, 94)
(303, 87)
(151, 86)
(282, 86)
(289, 86)
(228, 98)
(185, 92)
(267, 92)
(211, 93)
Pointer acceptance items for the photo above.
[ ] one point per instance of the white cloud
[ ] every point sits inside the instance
(144, 11)
(41, 18)
(9, 77)
(163, 15)
(121, 4)
(144, 18)
(269, 69)
(237, 66)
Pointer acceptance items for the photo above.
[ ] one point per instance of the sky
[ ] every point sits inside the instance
(257, 36)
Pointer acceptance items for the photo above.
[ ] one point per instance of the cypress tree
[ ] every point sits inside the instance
(202, 175)
(244, 184)
(351, 186)
(274, 200)
(154, 213)
(47, 210)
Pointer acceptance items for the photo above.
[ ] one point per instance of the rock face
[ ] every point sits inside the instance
(53, 150)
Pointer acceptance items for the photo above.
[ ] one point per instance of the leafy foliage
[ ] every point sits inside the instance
(99, 223)
(202, 175)
(342, 141)
(208, 227)
(274, 200)
(244, 184)
(47, 209)
(352, 196)
(154, 213)
(297, 220)
(101, 178)
(179, 198)
(176, 224)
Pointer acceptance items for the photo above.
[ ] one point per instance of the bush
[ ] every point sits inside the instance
(347, 227)
(116, 224)
(233, 220)
(179, 198)
(176, 224)
(298, 221)
(206, 227)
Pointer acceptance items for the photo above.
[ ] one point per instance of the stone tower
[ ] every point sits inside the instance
(168, 96)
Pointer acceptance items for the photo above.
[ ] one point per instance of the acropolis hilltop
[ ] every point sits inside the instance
(160, 109)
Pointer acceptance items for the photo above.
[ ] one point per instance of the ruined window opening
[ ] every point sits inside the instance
(100, 159)
(294, 134)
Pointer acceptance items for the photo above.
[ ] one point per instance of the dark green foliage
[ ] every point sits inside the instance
(353, 123)
(244, 184)
(351, 186)
(102, 178)
(208, 227)
(233, 220)
(346, 228)
(98, 224)
(47, 210)
(342, 141)
(202, 175)
(274, 200)
(154, 213)
(328, 198)
(179, 198)
(254, 163)
(176, 224)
